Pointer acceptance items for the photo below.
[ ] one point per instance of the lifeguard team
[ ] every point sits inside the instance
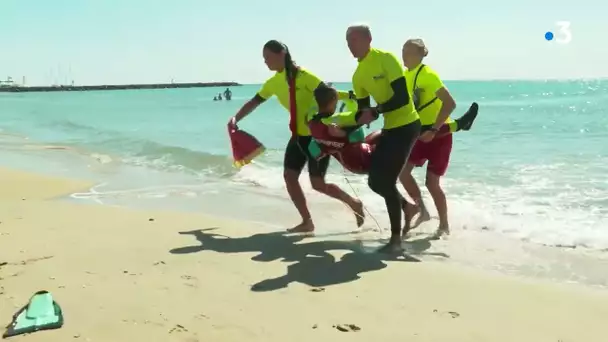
(417, 128)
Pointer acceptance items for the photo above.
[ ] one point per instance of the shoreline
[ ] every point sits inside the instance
(142, 188)
(25, 89)
(124, 275)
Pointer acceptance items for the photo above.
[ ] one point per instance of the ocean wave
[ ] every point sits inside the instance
(176, 157)
(530, 205)
(139, 151)
(532, 168)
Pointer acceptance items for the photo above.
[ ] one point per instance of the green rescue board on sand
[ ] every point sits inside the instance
(41, 313)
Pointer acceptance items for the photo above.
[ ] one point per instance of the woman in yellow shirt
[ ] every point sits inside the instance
(294, 88)
(434, 104)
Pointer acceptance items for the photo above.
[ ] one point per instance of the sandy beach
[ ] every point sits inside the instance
(127, 275)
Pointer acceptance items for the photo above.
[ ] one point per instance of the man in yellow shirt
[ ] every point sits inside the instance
(294, 87)
(380, 75)
(434, 104)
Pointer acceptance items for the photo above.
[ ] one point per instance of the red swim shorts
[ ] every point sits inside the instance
(436, 151)
(356, 158)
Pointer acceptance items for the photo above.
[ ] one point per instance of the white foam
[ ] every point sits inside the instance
(101, 158)
(543, 204)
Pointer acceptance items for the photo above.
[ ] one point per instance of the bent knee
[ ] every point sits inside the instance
(318, 183)
(432, 183)
(406, 175)
(290, 176)
(379, 185)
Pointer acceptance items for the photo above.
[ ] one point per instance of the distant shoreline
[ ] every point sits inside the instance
(19, 89)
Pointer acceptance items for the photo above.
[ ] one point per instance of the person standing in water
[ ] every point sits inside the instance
(434, 104)
(228, 94)
(380, 75)
(294, 87)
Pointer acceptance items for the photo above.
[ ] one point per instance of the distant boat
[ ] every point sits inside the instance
(8, 83)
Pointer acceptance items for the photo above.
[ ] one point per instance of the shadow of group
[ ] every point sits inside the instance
(312, 263)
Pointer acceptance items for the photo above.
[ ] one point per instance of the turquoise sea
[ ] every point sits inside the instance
(527, 186)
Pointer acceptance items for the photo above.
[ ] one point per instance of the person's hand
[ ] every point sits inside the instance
(232, 124)
(367, 116)
(427, 136)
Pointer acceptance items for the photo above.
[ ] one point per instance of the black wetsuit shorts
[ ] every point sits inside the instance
(297, 155)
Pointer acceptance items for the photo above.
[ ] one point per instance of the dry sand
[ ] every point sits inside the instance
(125, 275)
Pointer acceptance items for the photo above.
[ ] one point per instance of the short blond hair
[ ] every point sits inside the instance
(419, 43)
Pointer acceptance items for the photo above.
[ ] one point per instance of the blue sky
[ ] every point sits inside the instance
(144, 41)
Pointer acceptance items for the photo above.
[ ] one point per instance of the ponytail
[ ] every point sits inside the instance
(291, 70)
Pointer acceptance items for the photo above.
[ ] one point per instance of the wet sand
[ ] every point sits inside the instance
(129, 275)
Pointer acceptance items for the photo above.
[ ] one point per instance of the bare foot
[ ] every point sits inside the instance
(422, 217)
(392, 247)
(357, 208)
(405, 231)
(304, 227)
(440, 232)
(409, 211)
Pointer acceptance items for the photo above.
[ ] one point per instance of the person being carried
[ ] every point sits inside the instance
(339, 135)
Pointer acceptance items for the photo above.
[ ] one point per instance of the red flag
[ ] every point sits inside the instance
(245, 147)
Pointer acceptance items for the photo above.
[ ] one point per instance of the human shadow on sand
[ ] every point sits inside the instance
(313, 265)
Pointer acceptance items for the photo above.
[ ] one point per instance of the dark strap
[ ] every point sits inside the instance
(293, 108)
(416, 77)
(420, 108)
(427, 104)
(320, 116)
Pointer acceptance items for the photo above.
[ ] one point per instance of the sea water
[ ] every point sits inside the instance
(527, 187)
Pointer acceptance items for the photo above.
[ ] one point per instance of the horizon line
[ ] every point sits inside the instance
(237, 83)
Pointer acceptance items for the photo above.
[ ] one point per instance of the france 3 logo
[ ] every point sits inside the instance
(563, 35)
